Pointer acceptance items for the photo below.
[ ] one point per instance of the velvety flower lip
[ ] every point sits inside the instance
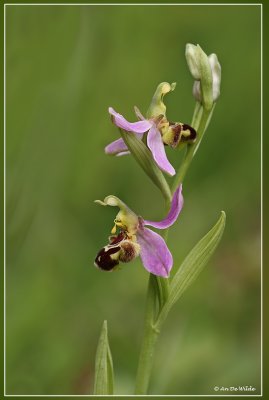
(154, 140)
(155, 255)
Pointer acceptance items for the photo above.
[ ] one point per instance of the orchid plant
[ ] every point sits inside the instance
(130, 236)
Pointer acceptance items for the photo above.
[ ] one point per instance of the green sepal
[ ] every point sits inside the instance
(104, 375)
(191, 267)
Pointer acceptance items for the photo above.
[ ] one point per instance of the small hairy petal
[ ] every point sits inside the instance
(154, 253)
(136, 127)
(139, 114)
(156, 146)
(170, 219)
(123, 153)
(116, 147)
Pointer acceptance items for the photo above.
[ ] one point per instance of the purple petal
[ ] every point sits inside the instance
(154, 252)
(156, 146)
(136, 127)
(116, 147)
(170, 219)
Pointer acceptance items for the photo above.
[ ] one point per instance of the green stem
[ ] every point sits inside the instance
(201, 119)
(158, 288)
(157, 295)
(149, 340)
(196, 115)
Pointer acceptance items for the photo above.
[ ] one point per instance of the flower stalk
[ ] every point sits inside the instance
(149, 339)
(146, 139)
(201, 117)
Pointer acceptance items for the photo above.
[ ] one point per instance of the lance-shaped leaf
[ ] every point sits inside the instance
(144, 158)
(104, 376)
(192, 266)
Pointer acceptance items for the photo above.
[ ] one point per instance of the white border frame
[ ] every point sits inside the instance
(135, 4)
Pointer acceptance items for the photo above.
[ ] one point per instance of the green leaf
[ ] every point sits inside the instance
(144, 158)
(104, 376)
(192, 266)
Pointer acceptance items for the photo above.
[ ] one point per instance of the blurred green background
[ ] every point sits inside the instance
(65, 65)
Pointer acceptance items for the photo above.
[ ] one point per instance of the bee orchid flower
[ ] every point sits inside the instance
(134, 238)
(160, 131)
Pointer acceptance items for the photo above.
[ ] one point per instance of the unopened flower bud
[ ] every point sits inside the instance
(192, 60)
(200, 69)
(216, 79)
(216, 75)
(196, 91)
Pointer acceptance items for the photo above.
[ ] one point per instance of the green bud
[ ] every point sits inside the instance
(192, 61)
(216, 75)
(157, 106)
(196, 91)
(206, 79)
(200, 69)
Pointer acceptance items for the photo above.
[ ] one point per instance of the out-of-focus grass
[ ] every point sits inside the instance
(65, 66)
